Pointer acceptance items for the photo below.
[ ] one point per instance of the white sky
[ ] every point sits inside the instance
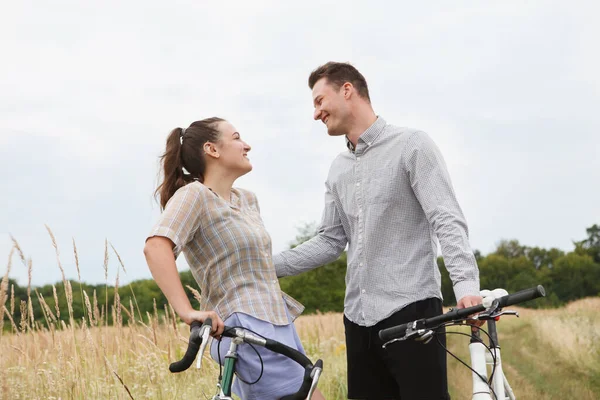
(510, 92)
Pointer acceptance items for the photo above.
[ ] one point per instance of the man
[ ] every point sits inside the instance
(388, 197)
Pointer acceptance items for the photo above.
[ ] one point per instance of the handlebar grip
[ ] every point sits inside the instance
(228, 331)
(193, 347)
(289, 352)
(305, 388)
(393, 332)
(319, 364)
(508, 300)
(457, 314)
(208, 321)
(522, 296)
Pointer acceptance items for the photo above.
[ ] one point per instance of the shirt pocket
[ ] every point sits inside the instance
(382, 186)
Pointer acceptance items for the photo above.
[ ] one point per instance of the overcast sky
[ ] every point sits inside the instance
(510, 92)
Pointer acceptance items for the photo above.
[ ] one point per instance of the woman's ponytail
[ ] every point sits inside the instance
(184, 151)
(171, 168)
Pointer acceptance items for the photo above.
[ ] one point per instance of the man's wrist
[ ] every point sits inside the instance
(466, 288)
(279, 263)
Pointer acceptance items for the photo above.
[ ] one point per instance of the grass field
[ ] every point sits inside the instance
(548, 354)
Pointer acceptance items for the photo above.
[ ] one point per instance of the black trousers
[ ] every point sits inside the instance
(407, 370)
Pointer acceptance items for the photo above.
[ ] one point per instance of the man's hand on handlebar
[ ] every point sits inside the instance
(470, 301)
(217, 323)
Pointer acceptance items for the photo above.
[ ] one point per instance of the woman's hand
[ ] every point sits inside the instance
(217, 323)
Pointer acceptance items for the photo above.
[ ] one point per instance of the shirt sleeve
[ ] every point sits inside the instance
(324, 248)
(181, 217)
(432, 187)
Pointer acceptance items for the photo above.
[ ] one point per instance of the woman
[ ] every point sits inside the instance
(219, 229)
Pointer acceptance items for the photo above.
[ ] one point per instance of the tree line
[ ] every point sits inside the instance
(566, 276)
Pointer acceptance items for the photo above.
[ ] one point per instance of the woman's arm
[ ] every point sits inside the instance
(161, 261)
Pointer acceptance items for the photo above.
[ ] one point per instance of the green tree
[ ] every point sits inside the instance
(510, 249)
(447, 287)
(574, 276)
(591, 245)
(321, 289)
(542, 258)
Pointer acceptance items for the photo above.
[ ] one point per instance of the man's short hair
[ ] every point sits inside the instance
(339, 73)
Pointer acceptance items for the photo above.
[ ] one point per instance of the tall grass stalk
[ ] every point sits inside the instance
(549, 354)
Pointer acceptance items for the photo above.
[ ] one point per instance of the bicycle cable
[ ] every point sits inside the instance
(262, 367)
(489, 349)
(489, 383)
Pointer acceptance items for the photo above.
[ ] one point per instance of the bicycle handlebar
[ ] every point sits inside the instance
(193, 346)
(198, 339)
(460, 314)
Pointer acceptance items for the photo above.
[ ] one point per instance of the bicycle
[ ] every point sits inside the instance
(199, 334)
(481, 355)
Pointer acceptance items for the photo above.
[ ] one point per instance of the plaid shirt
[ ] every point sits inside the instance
(229, 252)
(389, 199)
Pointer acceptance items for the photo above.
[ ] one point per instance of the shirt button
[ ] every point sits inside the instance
(274, 280)
(363, 291)
(360, 265)
(357, 158)
(359, 237)
(359, 210)
(357, 183)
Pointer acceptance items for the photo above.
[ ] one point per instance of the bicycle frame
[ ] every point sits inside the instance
(490, 310)
(199, 333)
(480, 359)
(226, 382)
(224, 386)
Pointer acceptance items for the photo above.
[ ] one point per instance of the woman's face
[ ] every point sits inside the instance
(233, 151)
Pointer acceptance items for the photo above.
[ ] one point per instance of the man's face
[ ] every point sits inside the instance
(331, 107)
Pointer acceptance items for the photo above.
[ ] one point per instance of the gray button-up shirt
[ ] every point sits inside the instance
(389, 199)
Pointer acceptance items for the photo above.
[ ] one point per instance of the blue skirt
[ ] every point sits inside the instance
(281, 376)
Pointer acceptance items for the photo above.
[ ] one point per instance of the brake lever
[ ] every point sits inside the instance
(315, 375)
(410, 332)
(497, 314)
(489, 311)
(425, 337)
(510, 312)
(204, 334)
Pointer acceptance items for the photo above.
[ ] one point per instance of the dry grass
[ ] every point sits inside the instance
(547, 354)
(573, 333)
(124, 362)
(86, 359)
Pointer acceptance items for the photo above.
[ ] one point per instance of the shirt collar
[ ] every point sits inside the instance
(369, 136)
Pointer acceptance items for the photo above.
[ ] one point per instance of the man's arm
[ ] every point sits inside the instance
(324, 248)
(432, 186)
